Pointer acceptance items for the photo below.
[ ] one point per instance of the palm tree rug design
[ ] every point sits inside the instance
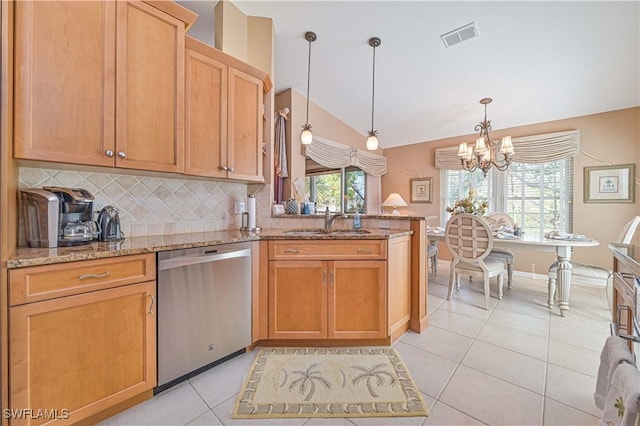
(328, 382)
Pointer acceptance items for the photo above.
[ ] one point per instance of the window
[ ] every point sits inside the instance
(537, 196)
(326, 187)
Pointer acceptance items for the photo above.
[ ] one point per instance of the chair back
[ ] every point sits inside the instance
(629, 229)
(468, 237)
(498, 219)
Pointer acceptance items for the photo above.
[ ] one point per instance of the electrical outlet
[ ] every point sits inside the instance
(238, 207)
(99, 205)
(384, 224)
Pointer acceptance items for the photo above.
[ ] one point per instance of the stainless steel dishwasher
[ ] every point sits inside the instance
(204, 309)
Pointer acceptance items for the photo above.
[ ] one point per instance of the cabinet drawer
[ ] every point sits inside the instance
(36, 283)
(327, 249)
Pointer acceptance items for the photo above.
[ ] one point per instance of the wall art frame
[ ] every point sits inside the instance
(610, 184)
(421, 190)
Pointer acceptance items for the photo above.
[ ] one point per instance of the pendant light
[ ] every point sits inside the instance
(306, 136)
(372, 138)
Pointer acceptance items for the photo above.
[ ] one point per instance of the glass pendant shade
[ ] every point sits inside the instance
(306, 136)
(372, 142)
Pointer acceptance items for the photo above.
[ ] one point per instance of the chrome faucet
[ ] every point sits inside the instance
(328, 218)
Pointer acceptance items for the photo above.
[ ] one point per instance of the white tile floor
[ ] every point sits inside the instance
(517, 364)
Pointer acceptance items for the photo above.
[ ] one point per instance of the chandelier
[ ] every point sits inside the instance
(484, 154)
(306, 137)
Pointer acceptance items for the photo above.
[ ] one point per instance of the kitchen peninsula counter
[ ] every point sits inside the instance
(25, 257)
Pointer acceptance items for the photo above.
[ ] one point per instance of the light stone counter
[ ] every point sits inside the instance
(24, 257)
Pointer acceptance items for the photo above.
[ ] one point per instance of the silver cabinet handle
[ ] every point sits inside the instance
(293, 250)
(230, 169)
(122, 154)
(102, 275)
(151, 306)
(108, 153)
(361, 250)
(331, 278)
(224, 168)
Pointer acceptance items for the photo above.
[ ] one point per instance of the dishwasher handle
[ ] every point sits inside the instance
(178, 262)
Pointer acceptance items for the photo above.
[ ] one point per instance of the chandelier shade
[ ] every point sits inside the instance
(306, 137)
(484, 154)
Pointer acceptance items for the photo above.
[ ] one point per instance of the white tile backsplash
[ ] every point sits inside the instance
(154, 205)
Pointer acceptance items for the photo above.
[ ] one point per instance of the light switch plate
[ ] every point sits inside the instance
(238, 207)
(384, 224)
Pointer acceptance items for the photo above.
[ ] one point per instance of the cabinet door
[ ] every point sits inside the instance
(297, 300)
(65, 81)
(206, 116)
(244, 155)
(150, 88)
(83, 353)
(357, 300)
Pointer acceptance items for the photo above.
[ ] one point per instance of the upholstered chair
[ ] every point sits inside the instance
(470, 240)
(590, 274)
(496, 220)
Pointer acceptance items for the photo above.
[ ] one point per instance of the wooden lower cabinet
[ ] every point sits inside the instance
(313, 299)
(82, 354)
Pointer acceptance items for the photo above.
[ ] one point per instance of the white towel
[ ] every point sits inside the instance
(622, 404)
(614, 352)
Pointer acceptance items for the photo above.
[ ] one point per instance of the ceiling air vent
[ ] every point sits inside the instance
(459, 35)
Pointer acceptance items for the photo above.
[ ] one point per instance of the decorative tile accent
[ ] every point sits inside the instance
(154, 205)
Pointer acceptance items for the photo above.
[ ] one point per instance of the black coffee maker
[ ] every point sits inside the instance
(75, 208)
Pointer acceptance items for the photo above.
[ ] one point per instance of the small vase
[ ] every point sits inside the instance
(292, 206)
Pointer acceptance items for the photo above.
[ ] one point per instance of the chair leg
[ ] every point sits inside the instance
(458, 282)
(452, 278)
(552, 291)
(509, 273)
(434, 265)
(487, 295)
(500, 284)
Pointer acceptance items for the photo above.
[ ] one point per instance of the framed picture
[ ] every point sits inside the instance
(610, 184)
(421, 190)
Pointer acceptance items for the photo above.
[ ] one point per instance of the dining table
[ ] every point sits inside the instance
(561, 245)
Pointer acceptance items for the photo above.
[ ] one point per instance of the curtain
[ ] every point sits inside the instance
(374, 194)
(280, 157)
(528, 149)
(336, 156)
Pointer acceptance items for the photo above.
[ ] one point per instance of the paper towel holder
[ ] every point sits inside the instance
(245, 216)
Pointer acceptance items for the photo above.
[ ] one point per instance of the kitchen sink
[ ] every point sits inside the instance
(345, 232)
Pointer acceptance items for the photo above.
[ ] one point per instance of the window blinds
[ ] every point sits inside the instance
(528, 149)
(335, 155)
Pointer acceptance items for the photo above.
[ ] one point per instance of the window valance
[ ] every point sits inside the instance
(335, 155)
(528, 149)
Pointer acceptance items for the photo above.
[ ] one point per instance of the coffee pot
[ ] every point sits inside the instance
(109, 224)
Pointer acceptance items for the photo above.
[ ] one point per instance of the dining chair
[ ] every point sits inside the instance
(470, 240)
(496, 220)
(432, 253)
(590, 274)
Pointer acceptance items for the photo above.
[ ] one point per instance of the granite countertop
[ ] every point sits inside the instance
(24, 257)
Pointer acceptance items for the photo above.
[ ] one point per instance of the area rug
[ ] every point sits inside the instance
(328, 382)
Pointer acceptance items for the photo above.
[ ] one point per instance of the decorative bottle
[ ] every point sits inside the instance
(357, 221)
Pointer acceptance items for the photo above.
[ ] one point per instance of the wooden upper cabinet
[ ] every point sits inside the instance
(150, 72)
(64, 74)
(224, 116)
(205, 115)
(244, 155)
(69, 107)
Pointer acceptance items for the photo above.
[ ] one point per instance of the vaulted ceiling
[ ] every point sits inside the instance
(539, 61)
